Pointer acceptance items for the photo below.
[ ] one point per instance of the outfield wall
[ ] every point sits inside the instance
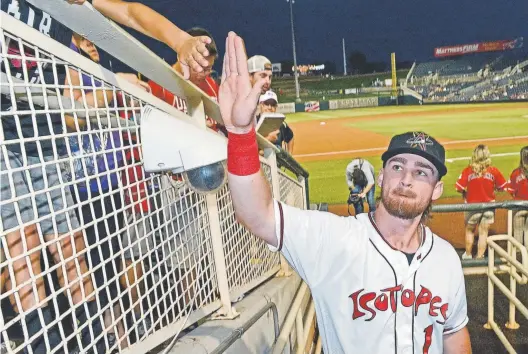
(361, 102)
(345, 103)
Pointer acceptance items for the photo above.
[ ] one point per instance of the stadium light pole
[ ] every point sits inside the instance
(295, 71)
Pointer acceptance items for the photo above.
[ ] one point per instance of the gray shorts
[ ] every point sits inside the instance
(476, 217)
(173, 235)
(33, 184)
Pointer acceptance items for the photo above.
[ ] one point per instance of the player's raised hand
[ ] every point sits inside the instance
(238, 100)
(192, 54)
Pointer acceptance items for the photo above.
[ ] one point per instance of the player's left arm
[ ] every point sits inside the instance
(458, 342)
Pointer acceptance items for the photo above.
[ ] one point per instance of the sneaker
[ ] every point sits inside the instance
(467, 256)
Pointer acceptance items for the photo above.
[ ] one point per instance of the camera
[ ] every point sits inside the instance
(353, 198)
(172, 144)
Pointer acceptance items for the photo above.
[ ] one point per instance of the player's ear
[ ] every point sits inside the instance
(438, 190)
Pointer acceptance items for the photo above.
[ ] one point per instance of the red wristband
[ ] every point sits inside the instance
(242, 154)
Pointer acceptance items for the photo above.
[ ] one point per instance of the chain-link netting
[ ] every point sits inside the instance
(96, 253)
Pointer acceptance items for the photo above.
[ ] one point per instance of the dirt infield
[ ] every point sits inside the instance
(334, 135)
(450, 226)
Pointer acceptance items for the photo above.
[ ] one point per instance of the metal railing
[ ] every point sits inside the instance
(239, 332)
(151, 255)
(500, 260)
(298, 327)
(518, 272)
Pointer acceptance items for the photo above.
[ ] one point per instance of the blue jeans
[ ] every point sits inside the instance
(358, 207)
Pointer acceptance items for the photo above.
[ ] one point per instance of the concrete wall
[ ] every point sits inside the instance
(259, 338)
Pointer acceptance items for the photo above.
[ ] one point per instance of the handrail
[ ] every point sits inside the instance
(287, 160)
(506, 204)
(239, 332)
(522, 267)
(284, 159)
(510, 256)
(290, 320)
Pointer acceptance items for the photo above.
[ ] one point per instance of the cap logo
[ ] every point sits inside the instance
(420, 141)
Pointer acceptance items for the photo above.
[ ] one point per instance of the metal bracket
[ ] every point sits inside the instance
(223, 314)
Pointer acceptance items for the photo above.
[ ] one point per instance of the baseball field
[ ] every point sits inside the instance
(326, 141)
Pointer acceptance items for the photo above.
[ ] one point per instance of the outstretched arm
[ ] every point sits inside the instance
(191, 50)
(250, 190)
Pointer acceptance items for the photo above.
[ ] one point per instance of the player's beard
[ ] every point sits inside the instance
(403, 204)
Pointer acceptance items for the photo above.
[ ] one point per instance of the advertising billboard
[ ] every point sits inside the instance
(482, 47)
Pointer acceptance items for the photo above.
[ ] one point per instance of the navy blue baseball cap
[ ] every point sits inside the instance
(417, 143)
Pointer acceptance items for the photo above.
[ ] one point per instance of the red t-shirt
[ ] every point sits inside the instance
(208, 86)
(481, 189)
(167, 96)
(518, 187)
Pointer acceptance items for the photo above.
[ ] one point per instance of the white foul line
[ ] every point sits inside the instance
(492, 155)
(384, 148)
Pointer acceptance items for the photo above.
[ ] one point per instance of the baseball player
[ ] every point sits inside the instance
(382, 282)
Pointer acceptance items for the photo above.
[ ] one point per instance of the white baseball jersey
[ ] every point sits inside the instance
(368, 298)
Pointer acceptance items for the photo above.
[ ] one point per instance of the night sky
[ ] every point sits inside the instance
(411, 28)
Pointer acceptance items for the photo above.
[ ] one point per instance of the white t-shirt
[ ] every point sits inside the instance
(368, 298)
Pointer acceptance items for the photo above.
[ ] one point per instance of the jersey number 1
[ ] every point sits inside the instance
(428, 339)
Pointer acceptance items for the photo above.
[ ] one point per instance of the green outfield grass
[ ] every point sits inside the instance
(469, 125)
(327, 177)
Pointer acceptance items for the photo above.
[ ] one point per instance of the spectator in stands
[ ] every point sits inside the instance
(360, 180)
(58, 226)
(259, 68)
(518, 188)
(283, 138)
(478, 183)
